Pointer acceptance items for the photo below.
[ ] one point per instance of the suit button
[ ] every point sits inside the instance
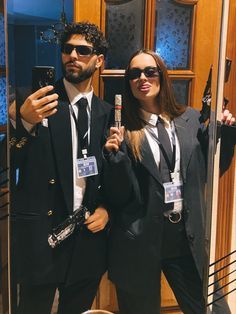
(191, 237)
(22, 142)
(50, 212)
(12, 141)
(186, 213)
(52, 181)
(19, 145)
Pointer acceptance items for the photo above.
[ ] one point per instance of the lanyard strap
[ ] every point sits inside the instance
(84, 144)
(170, 164)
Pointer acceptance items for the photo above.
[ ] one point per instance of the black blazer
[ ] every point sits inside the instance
(135, 193)
(43, 197)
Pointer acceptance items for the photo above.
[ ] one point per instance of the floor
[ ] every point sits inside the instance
(54, 308)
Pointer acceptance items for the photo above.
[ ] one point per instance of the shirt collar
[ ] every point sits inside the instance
(151, 118)
(74, 95)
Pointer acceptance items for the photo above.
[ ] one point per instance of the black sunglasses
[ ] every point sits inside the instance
(81, 50)
(149, 71)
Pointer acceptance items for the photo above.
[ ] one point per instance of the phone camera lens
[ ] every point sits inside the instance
(50, 73)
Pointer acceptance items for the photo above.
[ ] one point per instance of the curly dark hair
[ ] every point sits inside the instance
(91, 33)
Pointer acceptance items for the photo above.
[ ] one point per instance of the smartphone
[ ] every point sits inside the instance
(42, 76)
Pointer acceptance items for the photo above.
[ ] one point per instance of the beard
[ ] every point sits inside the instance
(78, 76)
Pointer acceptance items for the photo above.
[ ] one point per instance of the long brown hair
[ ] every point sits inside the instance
(165, 101)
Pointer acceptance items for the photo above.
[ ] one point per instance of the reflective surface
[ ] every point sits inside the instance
(2, 42)
(173, 33)
(27, 50)
(3, 102)
(3, 96)
(4, 173)
(124, 29)
(181, 90)
(26, 21)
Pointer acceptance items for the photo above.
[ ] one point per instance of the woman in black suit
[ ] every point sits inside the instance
(154, 178)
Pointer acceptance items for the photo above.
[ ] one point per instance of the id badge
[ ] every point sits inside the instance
(173, 191)
(87, 167)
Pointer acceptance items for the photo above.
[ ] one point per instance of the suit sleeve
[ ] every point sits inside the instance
(202, 134)
(20, 140)
(119, 180)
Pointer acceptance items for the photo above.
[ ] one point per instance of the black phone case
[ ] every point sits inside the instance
(42, 76)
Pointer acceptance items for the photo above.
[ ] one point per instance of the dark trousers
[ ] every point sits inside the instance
(183, 278)
(73, 299)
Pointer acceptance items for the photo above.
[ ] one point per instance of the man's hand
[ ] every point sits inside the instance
(98, 220)
(38, 106)
(12, 111)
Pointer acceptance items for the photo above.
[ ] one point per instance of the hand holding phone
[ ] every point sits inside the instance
(43, 101)
(38, 106)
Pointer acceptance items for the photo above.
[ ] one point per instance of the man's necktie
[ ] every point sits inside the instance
(82, 125)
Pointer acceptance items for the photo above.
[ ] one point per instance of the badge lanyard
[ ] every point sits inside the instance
(173, 189)
(170, 164)
(87, 166)
(84, 147)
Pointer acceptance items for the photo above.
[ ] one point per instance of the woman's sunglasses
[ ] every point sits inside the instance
(149, 71)
(81, 50)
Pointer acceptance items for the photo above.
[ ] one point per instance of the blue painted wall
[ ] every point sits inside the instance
(26, 20)
(45, 9)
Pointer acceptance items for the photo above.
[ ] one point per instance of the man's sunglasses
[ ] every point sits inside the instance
(81, 50)
(149, 71)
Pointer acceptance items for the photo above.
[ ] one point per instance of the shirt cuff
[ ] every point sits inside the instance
(28, 126)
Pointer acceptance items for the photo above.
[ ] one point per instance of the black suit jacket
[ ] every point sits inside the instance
(43, 197)
(135, 194)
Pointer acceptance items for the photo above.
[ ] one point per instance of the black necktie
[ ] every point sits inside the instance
(82, 125)
(165, 142)
(164, 169)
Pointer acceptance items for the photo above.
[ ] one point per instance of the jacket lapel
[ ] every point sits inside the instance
(96, 126)
(96, 130)
(148, 161)
(185, 141)
(60, 128)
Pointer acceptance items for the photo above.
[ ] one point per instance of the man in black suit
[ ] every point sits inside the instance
(50, 155)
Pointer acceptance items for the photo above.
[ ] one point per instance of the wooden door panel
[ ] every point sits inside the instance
(206, 23)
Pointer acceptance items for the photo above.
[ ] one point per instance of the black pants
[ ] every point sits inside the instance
(73, 299)
(185, 282)
(183, 278)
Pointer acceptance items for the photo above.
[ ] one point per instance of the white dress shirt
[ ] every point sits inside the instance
(74, 95)
(151, 120)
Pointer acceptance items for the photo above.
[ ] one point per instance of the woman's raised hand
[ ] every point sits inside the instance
(115, 139)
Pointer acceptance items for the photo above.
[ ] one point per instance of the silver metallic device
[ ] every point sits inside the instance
(68, 226)
(118, 107)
